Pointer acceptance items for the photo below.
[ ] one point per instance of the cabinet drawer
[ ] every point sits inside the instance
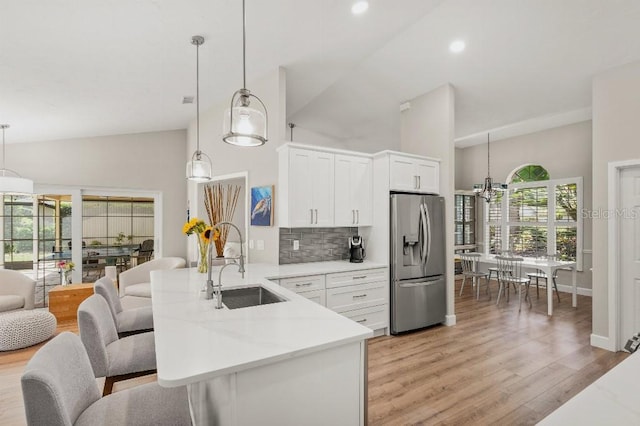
(306, 283)
(341, 299)
(356, 277)
(375, 317)
(317, 296)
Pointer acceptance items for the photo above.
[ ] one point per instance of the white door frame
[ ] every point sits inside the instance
(613, 264)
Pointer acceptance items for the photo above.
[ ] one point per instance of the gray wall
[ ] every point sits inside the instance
(564, 151)
(616, 126)
(146, 161)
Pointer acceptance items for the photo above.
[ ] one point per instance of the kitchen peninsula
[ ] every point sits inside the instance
(292, 362)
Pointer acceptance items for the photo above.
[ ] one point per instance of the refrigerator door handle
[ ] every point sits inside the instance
(418, 282)
(428, 232)
(424, 254)
(394, 235)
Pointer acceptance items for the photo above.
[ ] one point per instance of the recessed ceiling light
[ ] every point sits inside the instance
(359, 7)
(457, 46)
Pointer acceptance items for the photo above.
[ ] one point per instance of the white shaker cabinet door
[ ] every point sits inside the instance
(361, 190)
(322, 177)
(300, 196)
(428, 176)
(402, 175)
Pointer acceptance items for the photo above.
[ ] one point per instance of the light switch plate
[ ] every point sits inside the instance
(296, 245)
(260, 244)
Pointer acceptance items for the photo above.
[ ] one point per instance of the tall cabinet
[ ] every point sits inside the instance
(308, 187)
(353, 193)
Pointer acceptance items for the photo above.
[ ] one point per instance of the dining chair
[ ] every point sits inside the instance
(469, 263)
(540, 275)
(59, 389)
(111, 357)
(510, 272)
(128, 321)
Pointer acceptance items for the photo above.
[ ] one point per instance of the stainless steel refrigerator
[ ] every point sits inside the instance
(418, 261)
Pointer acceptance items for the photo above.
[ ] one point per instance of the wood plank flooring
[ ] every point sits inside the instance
(496, 366)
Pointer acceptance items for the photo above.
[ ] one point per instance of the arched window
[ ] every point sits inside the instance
(529, 173)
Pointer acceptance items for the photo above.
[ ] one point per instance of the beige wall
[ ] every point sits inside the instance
(616, 126)
(145, 161)
(261, 162)
(428, 129)
(564, 151)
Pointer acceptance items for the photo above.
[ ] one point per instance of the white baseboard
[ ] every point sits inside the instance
(449, 320)
(602, 342)
(568, 289)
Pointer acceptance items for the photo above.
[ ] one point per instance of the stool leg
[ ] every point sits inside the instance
(537, 289)
(462, 286)
(556, 287)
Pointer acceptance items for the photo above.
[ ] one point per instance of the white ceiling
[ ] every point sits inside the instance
(73, 68)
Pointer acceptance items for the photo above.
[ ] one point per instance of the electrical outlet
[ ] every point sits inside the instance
(260, 244)
(296, 245)
(251, 244)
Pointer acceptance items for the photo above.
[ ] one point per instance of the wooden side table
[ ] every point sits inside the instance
(64, 300)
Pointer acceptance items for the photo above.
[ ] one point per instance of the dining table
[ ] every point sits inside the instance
(549, 267)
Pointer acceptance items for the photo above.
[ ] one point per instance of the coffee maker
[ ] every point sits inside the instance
(356, 249)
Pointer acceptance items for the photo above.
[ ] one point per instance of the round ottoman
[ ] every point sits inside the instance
(19, 329)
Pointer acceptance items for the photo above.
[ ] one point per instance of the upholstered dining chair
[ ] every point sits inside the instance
(469, 263)
(128, 321)
(59, 389)
(112, 357)
(510, 273)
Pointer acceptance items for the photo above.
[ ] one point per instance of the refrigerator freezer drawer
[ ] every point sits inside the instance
(417, 303)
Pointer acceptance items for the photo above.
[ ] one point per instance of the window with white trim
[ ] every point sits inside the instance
(534, 218)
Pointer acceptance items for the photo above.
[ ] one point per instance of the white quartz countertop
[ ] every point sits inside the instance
(196, 342)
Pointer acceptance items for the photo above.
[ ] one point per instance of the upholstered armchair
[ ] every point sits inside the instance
(137, 280)
(17, 291)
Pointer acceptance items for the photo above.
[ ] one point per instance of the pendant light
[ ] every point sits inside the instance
(10, 181)
(245, 122)
(489, 190)
(199, 168)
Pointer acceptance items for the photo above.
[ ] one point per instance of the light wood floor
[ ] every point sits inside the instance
(494, 367)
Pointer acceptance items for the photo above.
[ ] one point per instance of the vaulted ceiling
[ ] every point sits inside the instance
(98, 67)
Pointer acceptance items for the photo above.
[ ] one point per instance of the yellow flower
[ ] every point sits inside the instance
(194, 225)
(206, 234)
(186, 228)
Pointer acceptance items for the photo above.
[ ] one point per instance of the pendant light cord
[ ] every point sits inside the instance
(198, 100)
(488, 156)
(3, 151)
(244, 47)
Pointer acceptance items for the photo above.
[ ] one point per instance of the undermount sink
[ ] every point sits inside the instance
(249, 296)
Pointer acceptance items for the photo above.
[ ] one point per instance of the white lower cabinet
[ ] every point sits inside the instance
(362, 296)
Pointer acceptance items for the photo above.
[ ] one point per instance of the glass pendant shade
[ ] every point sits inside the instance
(199, 169)
(245, 125)
(10, 181)
(14, 184)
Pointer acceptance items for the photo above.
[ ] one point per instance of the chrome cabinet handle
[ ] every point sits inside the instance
(358, 296)
(362, 320)
(419, 182)
(358, 216)
(311, 211)
(303, 284)
(360, 277)
(415, 182)
(316, 210)
(353, 216)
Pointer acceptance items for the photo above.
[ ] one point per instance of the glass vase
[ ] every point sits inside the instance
(203, 262)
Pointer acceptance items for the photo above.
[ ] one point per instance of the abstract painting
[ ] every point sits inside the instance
(262, 206)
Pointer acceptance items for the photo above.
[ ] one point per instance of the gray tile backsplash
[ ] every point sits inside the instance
(316, 244)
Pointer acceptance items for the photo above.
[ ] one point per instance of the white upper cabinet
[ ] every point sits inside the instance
(306, 180)
(414, 174)
(353, 191)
